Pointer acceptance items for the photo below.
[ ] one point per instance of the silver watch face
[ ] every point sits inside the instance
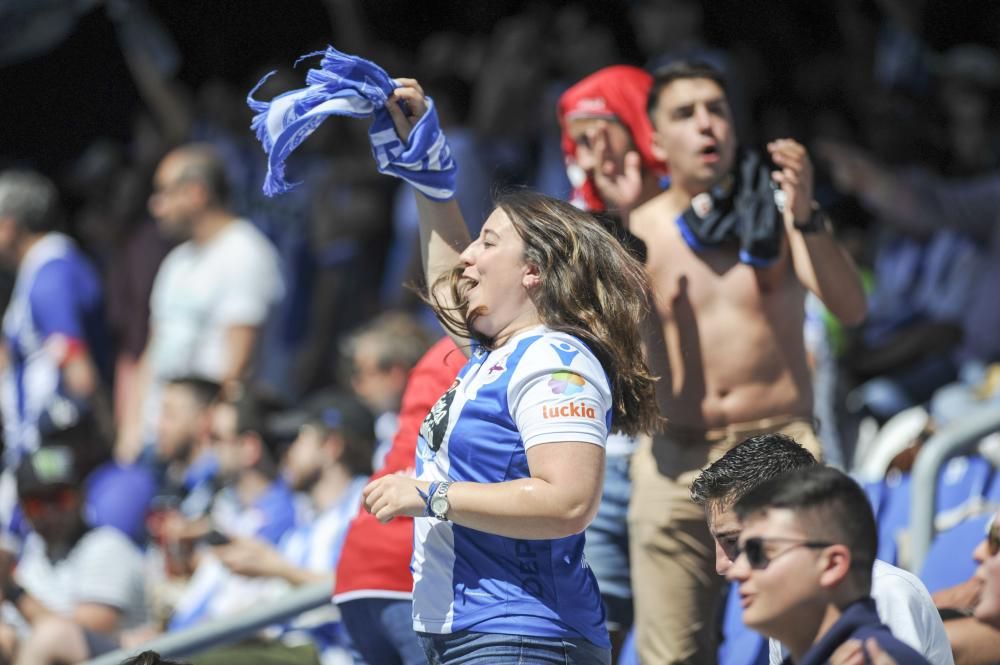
(439, 505)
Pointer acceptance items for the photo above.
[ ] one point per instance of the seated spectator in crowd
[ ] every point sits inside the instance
(75, 587)
(973, 641)
(212, 294)
(254, 501)
(374, 586)
(184, 443)
(380, 356)
(187, 464)
(804, 562)
(330, 461)
(901, 599)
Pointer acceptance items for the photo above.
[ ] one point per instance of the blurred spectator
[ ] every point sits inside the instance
(607, 140)
(54, 356)
(380, 356)
(254, 499)
(330, 461)
(373, 581)
(212, 293)
(184, 443)
(54, 336)
(188, 468)
(968, 82)
(254, 502)
(75, 586)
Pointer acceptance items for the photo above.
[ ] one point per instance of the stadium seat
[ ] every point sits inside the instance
(962, 479)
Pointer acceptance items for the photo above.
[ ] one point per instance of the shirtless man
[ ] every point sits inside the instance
(728, 346)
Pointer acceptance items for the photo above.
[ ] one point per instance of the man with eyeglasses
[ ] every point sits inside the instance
(803, 563)
(901, 599)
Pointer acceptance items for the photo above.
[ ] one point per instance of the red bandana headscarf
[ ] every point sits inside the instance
(616, 93)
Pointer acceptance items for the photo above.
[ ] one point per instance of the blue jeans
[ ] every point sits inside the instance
(381, 631)
(606, 547)
(466, 647)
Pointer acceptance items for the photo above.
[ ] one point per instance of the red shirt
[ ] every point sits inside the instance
(375, 560)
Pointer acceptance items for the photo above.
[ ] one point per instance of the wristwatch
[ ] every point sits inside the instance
(818, 222)
(439, 503)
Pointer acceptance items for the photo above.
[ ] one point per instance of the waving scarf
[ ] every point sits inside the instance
(351, 86)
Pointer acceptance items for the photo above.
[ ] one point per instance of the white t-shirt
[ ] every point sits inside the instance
(906, 607)
(103, 567)
(200, 291)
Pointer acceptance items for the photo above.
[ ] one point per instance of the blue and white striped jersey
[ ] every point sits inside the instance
(540, 387)
(57, 302)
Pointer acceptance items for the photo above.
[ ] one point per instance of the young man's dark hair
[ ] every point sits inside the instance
(829, 505)
(747, 465)
(150, 658)
(254, 414)
(355, 424)
(205, 391)
(679, 70)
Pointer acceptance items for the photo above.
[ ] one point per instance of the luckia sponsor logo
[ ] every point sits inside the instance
(569, 410)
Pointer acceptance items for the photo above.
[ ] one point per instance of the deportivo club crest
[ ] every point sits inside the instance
(435, 425)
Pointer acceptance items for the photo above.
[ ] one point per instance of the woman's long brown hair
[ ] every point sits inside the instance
(590, 287)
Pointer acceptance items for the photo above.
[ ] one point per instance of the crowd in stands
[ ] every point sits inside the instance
(199, 381)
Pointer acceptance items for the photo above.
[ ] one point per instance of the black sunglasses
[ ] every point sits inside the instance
(756, 551)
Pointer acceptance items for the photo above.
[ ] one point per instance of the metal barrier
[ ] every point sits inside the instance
(949, 442)
(228, 629)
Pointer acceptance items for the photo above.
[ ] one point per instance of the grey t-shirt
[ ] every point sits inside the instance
(104, 567)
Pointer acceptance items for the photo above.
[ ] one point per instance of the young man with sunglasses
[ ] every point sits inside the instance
(901, 599)
(804, 562)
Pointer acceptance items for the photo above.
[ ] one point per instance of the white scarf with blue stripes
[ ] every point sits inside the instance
(355, 87)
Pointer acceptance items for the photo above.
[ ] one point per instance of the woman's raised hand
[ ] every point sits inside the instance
(413, 107)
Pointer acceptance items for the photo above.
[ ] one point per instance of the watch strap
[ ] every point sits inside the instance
(431, 490)
(818, 222)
